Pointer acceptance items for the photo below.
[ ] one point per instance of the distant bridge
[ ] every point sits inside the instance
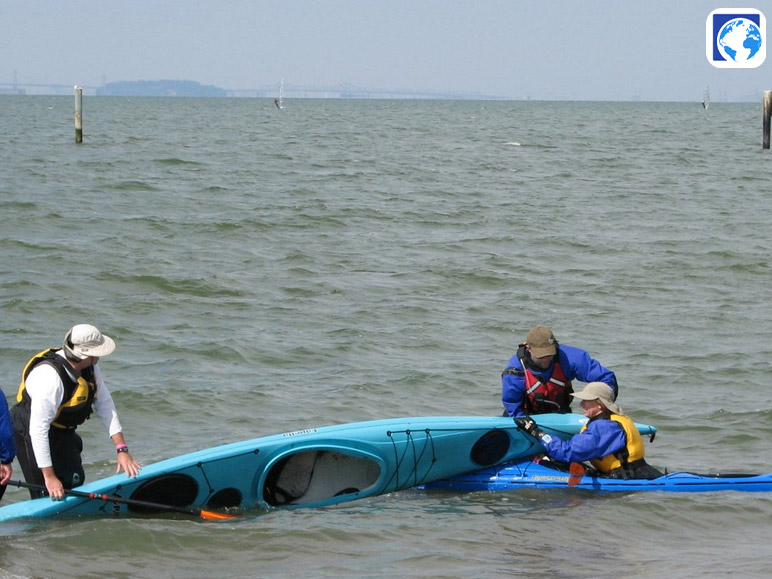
(350, 91)
(341, 91)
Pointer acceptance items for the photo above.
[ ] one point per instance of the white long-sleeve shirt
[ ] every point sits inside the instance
(46, 391)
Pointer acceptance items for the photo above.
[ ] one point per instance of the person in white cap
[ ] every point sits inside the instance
(609, 440)
(537, 379)
(59, 389)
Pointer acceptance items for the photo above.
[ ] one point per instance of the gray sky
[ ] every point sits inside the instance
(539, 49)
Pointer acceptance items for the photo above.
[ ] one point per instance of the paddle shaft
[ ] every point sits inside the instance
(131, 502)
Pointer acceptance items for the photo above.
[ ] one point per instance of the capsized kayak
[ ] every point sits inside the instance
(313, 467)
(527, 474)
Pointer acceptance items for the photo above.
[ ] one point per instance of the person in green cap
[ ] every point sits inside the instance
(538, 378)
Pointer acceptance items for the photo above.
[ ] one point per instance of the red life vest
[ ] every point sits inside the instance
(551, 396)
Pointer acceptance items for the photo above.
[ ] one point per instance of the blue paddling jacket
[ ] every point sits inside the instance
(575, 363)
(600, 438)
(7, 444)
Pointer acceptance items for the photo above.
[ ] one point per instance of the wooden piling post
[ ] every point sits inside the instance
(78, 114)
(766, 111)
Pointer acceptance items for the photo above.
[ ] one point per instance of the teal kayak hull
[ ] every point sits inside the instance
(314, 467)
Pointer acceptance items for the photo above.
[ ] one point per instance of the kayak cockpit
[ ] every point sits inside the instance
(314, 476)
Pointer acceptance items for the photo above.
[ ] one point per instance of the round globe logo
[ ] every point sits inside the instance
(739, 40)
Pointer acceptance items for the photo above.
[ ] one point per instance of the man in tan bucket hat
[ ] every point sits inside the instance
(538, 378)
(609, 440)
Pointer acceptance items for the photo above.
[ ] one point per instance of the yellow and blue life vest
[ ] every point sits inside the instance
(632, 452)
(79, 394)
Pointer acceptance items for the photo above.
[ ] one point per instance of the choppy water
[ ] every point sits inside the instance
(264, 271)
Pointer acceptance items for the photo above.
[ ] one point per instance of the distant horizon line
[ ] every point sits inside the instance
(341, 91)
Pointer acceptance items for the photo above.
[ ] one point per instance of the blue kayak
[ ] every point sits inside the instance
(527, 474)
(311, 468)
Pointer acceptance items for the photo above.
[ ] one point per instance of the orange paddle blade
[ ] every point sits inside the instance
(576, 471)
(214, 516)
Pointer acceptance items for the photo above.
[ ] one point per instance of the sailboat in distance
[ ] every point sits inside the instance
(706, 97)
(279, 102)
